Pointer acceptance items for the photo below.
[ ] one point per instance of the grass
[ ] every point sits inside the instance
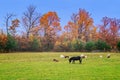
(39, 66)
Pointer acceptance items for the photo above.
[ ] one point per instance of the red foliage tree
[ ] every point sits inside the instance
(109, 31)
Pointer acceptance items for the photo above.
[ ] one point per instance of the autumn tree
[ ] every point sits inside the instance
(104, 29)
(109, 31)
(71, 31)
(30, 19)
(3, 40)
(15, 24)
(61, 43)
(81, 25)
(114, 32)
(50, 24)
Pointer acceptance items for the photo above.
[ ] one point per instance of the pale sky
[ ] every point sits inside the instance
(64, 8)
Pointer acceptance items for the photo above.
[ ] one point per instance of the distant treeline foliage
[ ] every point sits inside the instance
(37, 32)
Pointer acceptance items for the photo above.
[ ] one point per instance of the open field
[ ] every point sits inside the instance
(39, 66)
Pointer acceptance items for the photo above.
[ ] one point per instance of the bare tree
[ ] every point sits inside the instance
(30, 19)
(7, 19)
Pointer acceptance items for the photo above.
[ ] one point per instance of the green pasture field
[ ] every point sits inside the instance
(40, 66)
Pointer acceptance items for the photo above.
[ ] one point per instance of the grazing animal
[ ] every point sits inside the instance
(55, 60)
(101, 56)
(62, 56)
(66, 56)
(73, 59)
(108, 56)
(83, 56)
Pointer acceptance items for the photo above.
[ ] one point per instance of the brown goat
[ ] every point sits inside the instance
(55, 60)
(66, 56)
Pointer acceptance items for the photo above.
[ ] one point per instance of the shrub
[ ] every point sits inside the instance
(118, 45)
(34, 45)
(11, 43)
(102, 46)
(90, 46)
(78, 46)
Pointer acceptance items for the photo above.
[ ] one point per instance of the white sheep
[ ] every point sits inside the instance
(108, 56)
(101, 56)
(62, 56)
(83, 56)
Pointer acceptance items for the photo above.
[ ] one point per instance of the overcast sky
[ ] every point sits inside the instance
(64, 8)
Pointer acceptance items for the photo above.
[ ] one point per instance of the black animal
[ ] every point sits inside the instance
(73, 59)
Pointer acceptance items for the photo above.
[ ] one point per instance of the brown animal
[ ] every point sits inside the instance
(66, 56)
(55, 60)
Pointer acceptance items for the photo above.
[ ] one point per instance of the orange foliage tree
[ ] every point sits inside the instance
(3, 40)
(50, 24)
(81, 26)
(15, 24)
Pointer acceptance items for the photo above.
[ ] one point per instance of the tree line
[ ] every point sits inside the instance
(37, 32)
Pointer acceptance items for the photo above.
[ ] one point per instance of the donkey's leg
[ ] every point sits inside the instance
(73, 61)
(80, 61)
